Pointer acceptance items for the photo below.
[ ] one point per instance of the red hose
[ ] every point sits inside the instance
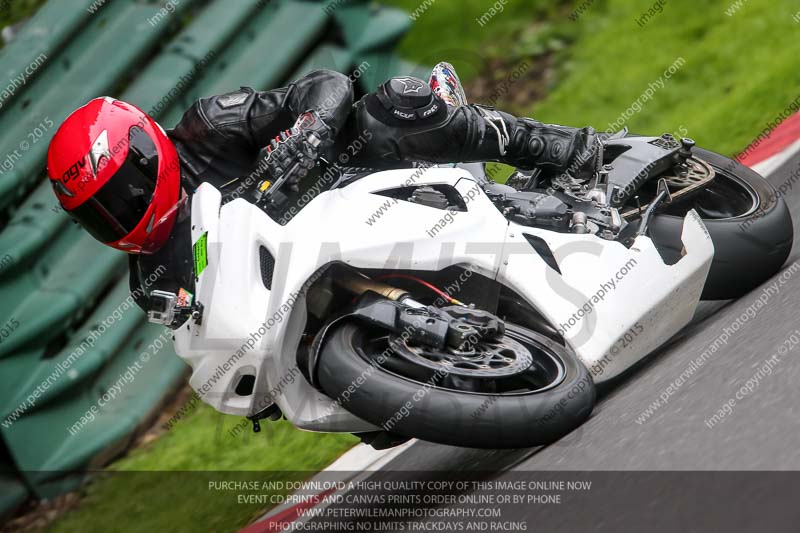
(432, 287)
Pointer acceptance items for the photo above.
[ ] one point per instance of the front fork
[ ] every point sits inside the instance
(394, 310)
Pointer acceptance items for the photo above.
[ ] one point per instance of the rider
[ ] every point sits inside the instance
(126, 180)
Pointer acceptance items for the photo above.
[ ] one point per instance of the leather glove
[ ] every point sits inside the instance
(587, 154)
(294, 152)
(555, 149)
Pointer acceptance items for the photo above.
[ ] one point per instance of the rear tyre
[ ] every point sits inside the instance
(530, 407)
(749, 224)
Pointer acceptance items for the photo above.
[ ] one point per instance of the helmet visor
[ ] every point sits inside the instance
(121, 203)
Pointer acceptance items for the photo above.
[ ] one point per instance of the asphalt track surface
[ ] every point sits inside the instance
(761, 433)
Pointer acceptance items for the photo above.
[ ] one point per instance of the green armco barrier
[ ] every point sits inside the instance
(44, 33)
(371, 35)
(53, 293)
(164, 80)
(386, 65)
(274, 40)
(59, 286)
(330, 57)
(82, 69)
(48, 446)
(82, 365)
(262, 54)
(33, 225)
(374, 29)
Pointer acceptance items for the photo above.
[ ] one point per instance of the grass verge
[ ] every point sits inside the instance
(740, 67)
(164, 484)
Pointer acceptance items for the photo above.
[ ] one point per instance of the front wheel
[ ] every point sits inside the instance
(749, 224)
(516, 391)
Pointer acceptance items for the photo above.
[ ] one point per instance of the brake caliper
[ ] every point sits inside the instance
(468, 326)
(449, 327)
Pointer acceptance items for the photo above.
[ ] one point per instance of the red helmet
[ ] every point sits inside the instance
(116, 172)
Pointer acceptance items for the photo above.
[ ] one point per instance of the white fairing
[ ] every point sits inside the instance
(248, 329)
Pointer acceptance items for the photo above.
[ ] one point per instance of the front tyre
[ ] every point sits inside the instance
(518, 391)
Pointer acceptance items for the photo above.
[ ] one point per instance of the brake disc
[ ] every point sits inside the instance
(496, 358)
(698, 175)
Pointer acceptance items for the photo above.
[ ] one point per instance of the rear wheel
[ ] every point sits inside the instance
(750, 226)
(519, 390)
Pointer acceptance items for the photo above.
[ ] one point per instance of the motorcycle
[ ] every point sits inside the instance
(435, 303)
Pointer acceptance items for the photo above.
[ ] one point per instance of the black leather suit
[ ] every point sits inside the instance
(219, 139)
